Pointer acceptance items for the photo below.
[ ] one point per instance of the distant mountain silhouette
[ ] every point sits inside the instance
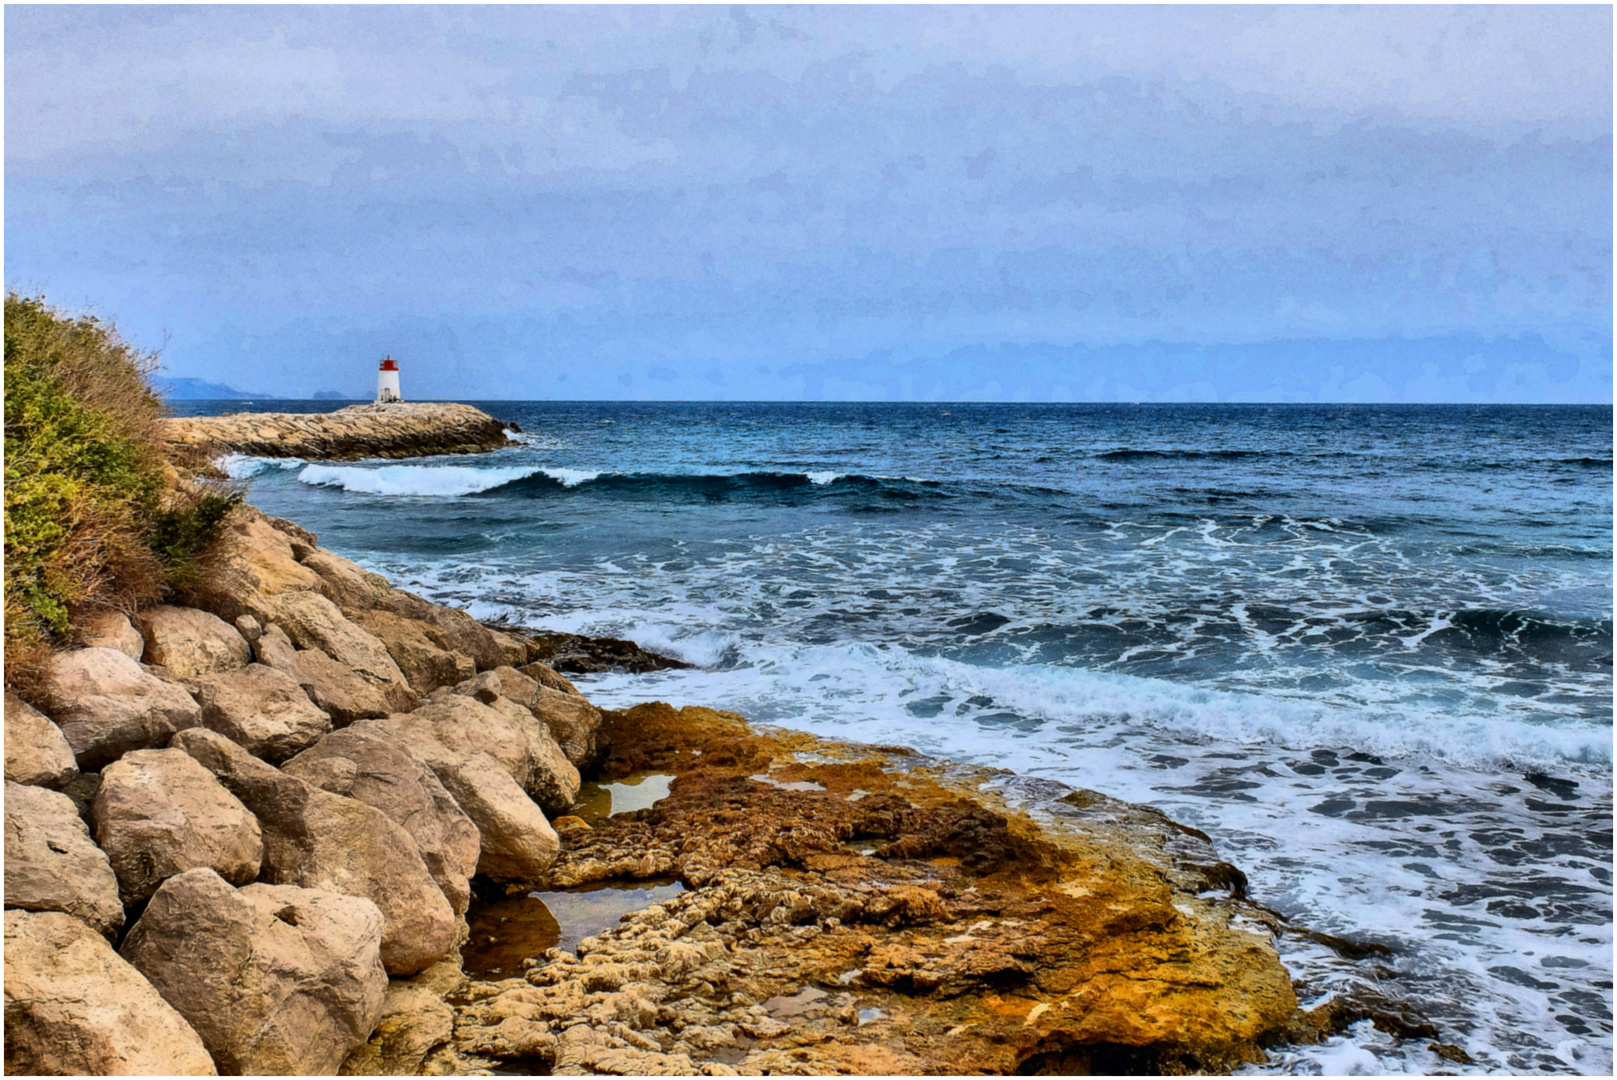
(333, 395)
(199, 389)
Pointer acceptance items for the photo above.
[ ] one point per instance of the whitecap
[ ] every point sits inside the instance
(571, 477)
(417, 480)
(825, 477)
(245, 466)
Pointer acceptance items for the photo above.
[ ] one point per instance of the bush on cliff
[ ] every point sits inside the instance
(91, 523)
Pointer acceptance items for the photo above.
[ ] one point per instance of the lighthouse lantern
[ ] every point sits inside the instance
(387, 381)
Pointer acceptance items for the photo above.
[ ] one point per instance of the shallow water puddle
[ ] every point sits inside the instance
(787, 785)
(597, 802)
(511, 929)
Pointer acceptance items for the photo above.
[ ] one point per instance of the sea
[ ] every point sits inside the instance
(1367, 648)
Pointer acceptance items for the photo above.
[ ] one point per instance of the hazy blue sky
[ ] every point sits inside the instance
(1040, 203)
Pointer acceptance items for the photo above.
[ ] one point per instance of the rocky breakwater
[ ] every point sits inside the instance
(393, 430)
(231, 822)
(259, 832)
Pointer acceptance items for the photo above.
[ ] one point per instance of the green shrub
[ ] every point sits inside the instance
(91, 523)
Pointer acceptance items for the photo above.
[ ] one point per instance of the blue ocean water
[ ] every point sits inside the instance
(1368, 648)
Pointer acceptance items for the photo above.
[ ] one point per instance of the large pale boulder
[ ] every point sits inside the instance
(516, 841)
(36, 751)
(379, 771)
(552, 777)
(318, 840)
(340, 692)
(313, 622)
(275, 979)
(75, 1008)
(264, 710)
(546, 675)
(343, 581)
(507, 682)
(51, 863)
(574, 723)
(159, 813)
(425, 665)
(451, 629)
(258, 565)
(189, 642)
(107, 706)
(552, 781)
(112, 630)
(469, 724)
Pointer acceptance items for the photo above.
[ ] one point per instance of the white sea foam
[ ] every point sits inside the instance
(245, 466)
(414, 480)
(572, 477)
(825, 477)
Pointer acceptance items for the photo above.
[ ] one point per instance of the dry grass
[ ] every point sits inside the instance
(97, 517)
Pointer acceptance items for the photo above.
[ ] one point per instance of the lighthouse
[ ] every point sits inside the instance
(387, 381)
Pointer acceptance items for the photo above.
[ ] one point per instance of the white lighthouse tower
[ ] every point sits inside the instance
(387, 382)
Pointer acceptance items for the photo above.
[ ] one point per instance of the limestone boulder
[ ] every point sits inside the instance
(507, 682)
(190, 642)
(342, 693)
(467, 725)
(451, 629)
(273, 648)
(275, 979)
(107, 705)
(112, 630)
(365, 764)
(75, 1008)
(415, 1022)
(258, 565)
(552, 780)
(318, 840)
(159, 813)
(36, 751)
(516, 841)
(249, 629)
(343, 581)
(51, 863)
(426, 667)
(574, 723)
(262, 709)
(545, 675)
(313, 622)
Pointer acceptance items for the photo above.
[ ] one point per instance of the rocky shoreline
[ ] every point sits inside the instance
(392, 430)
(261, 831)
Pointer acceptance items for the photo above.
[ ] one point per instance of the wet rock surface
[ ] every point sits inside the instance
(861, 910)
(395, 430)
(578, 654)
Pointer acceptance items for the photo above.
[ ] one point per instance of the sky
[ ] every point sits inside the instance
(1040, 203)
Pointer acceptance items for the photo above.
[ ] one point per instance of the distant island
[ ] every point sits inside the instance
(333, 395)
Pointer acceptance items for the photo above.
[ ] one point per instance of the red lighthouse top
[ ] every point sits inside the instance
(389, 364)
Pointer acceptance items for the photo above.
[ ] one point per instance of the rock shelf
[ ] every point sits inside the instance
(394, 430)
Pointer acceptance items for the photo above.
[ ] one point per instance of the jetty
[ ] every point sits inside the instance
(386, 430)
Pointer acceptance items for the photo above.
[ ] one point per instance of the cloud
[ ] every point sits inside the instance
(689, 190)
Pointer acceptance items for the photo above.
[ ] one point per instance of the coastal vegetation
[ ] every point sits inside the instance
(93, 519)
